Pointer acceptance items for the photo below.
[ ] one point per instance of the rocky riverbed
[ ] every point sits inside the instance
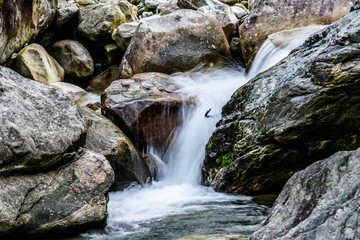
(86, 87)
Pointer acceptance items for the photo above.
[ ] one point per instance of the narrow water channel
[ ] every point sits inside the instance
(177, 205)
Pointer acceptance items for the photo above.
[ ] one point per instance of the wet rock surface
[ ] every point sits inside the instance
(104, 137)
(321, 201)
(145, 107)
(301, 110)
(270, 16)
(174, 42)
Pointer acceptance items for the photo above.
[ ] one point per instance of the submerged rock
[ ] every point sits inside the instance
(174, 42)
(21, 21)
(270, 16)
(320, 202)
(145, 107)
(104, 137)
(301, 110)
(34, 62)
(49, 185)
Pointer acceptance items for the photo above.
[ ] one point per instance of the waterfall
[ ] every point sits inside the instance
(178, 205)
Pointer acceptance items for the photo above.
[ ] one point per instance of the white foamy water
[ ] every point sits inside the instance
(178, 205)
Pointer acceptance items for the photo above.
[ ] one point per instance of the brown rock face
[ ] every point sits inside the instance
(270, 16)
(21, 21)
(145, 107)
(174, 42)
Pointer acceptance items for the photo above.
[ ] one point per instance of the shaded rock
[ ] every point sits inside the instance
(73, 57)
(35, 63)
(195, 4)
(104, 79)
(21, 21)
(66, 11)
(236, 53)
(320, 202)
(225, 16)
(39, 125)
(67, 88)
(69, 199)
(97, 22)
(123, 34)
(153, 4)
(113, 54)
(302, 110)
(167, 7)
(174, 42)
(106, 138)
(270, 16)
(356, 5)
(145, 107)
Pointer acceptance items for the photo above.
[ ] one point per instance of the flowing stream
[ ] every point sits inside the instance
(177, 205)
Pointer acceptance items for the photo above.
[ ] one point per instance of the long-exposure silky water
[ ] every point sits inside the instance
(177, 205)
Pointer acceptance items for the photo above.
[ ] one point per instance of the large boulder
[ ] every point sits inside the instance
(270, 16)
(98, 21)
(38, 125)
(320, 202)
(48, 183)
(21, 21)
(174, 42)
(145, 107)
(301, 110)
(34, 62)
(106, 138)
(73, 57)
(69, 199)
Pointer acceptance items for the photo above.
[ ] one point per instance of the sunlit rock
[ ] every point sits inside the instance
(175, 42)
(34, 62)
(195, 4)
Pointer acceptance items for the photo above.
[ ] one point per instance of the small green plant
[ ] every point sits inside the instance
(224, 159)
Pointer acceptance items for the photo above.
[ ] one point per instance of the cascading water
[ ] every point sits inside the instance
(177, 205)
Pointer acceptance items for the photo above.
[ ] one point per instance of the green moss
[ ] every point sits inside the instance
(224, 159)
